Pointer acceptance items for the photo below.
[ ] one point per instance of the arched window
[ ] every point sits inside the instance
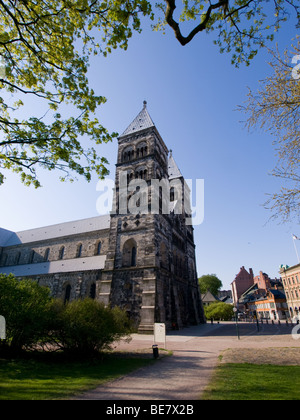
(141, 150)
(79, 251)
(129, 253)
(141, 173)
(61, 253)
(98, 248)
(128, 154)
(172, 194)
(133, 256)
(67, 294)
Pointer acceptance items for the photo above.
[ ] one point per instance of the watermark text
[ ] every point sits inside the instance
(155, 196)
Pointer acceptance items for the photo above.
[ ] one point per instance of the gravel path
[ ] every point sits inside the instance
(196, 352)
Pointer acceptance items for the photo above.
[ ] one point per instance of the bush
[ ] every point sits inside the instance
(34, 319)
(25, 306)
(219, 311)
(87, 326)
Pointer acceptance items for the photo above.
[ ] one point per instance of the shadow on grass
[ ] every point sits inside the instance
(58, 377)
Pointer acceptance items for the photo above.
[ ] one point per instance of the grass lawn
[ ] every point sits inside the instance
(44, 380)
(244, 381)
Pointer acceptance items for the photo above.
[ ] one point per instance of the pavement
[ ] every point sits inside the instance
(195, 354)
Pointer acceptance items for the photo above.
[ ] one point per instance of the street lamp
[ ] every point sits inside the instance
(236, 322)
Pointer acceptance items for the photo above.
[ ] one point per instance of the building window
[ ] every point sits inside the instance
(93, 291)
(129, 253)
(172, 194)
(98, 248)
(142, 150)
(128, 154)
(141, 174)
(67, 294)
(61, 253)
(79, 251)
(133, 257)
(46, 256)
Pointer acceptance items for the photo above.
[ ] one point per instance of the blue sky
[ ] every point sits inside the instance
(192, 94)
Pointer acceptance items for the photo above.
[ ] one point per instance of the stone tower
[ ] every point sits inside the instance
(150, 268)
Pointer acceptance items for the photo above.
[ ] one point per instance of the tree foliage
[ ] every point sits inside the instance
(35, 319)
(241, 26)
(25, 306)
(275, 108)
(219, 311)
(45, 51)
(86, 326)
(210, 282)
(45, 48)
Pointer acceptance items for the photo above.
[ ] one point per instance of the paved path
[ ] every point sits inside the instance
(185, 374)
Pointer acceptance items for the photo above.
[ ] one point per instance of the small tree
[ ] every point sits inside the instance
(220, 311)
(25, 307)
(210, 282)
(87, 326)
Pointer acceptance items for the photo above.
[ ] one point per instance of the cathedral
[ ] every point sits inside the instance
(140, 257)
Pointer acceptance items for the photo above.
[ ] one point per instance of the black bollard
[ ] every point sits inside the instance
(155, 351)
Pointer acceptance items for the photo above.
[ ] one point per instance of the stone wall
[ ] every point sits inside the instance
(50, 250)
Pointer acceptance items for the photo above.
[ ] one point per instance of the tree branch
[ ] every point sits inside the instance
(171, 6)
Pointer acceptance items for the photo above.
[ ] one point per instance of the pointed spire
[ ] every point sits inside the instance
(173, 170)
(142, 121)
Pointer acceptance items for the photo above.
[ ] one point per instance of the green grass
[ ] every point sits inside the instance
(41, 380)
(254, 382)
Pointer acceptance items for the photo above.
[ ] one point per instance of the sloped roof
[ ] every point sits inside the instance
(141, 122)
(173, 170)
(5, 236)
(278, 294)
(209, 297)
(62, 266)
(8, 238)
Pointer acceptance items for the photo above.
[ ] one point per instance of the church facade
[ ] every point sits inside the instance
(140, 257)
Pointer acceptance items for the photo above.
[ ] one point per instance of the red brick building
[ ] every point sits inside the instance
(259, 295)
(242, 282)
